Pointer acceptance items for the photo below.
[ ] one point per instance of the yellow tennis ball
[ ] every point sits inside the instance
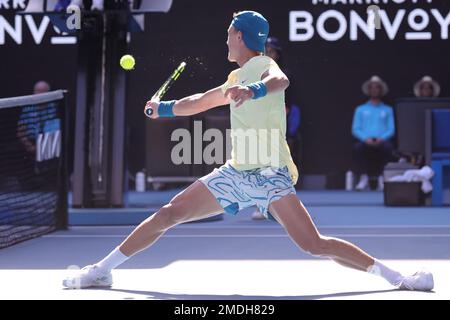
(127, 62)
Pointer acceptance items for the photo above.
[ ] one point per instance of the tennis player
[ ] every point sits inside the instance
(255, 92)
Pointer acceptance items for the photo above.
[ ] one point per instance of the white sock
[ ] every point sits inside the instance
(112, 260)
(392, 276)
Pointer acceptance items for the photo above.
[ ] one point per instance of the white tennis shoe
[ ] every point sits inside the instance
(89, 276)
(421, 281)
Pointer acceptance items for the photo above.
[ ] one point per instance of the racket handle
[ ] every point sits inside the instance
(155, 98)
(148, 112)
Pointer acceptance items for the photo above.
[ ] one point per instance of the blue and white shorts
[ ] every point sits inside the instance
(236, 190)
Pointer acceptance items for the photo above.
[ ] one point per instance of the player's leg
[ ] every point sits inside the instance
(361, 160)
(194, 203)
(383, 156)
(294, 217)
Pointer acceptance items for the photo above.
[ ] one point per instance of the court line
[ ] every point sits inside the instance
(277, 226)
(388, 235)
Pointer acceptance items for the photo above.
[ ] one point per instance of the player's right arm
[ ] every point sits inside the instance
(193, 104)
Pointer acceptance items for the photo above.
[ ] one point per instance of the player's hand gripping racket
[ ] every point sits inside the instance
(165, 87)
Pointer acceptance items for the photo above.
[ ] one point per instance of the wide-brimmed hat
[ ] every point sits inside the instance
(430, 80)
(375, 79)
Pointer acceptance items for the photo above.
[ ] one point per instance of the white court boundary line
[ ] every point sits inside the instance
(362, 235)
(277, 226)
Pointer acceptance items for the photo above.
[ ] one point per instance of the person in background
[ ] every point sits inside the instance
(373, 127)
(274, 51)
(36, 121)
(427, 87)
(41, 87)
(26, 126)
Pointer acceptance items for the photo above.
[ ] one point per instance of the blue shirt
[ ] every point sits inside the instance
(293, 120)
(373, 121)
(39, 119)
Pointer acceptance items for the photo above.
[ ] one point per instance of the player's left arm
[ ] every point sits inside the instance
(273, 79)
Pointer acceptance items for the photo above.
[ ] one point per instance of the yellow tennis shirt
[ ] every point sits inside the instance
(258, 127)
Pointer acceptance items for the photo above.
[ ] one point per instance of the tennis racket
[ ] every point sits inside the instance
(166, 86)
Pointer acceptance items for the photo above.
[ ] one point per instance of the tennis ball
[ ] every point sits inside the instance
(127, 62)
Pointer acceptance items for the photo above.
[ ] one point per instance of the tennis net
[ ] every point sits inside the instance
(33, 178)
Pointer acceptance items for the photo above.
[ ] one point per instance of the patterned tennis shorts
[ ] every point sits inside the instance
(236, 190)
